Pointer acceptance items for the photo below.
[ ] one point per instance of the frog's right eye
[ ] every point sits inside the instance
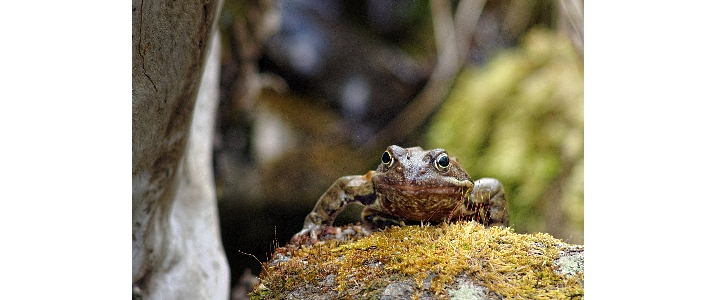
(442, 162)
(387, 159)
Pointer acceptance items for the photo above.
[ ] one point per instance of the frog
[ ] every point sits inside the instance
(410, 186)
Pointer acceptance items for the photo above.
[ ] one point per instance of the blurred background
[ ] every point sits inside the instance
(315, 90)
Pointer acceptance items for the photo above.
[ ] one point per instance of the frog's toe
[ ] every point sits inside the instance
(308, 235)
(300, 238)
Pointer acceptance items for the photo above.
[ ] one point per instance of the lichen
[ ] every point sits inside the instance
(507, 264)
(467, 290)
(570, 261)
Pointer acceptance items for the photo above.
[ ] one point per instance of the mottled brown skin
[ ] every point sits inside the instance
(410, 186)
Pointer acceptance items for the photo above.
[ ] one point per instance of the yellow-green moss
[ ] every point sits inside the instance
(509, 264)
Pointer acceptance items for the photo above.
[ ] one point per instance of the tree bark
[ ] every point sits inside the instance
(176, 247)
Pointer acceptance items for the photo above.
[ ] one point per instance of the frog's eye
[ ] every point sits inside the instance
(441, 162)
(387, 159)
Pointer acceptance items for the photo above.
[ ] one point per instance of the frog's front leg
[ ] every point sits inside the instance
(493, 210)
(374, 219)
(345, 190)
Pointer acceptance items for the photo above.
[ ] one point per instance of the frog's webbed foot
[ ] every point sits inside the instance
(314, 226)
(493, 209)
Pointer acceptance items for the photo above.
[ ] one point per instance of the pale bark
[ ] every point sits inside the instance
(176, 247)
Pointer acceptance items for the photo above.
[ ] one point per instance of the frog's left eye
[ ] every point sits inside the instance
(387, 159)
(441, 162)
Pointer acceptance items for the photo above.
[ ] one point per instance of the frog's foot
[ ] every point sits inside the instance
(493, 210)
(374, 219)
(309, 234)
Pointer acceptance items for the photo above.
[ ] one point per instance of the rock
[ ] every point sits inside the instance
(462, 260)
(398, 290)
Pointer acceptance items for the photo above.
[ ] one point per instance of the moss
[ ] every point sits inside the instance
(432, 257)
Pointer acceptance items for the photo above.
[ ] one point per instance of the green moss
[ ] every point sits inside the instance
(506, 263)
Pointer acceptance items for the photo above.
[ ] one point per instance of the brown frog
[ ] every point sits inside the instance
(410, 186)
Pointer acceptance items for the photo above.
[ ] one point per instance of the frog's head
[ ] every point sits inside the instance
(413, 171)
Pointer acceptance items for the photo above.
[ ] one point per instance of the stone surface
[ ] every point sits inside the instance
(398, 290)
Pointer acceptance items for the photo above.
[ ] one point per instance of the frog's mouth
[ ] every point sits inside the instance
(423, 190)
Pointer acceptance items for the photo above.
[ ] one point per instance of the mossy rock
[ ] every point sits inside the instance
(450, 261)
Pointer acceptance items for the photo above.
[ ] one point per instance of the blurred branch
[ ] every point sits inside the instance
(571, 16)
(453, 39)
(259, 20)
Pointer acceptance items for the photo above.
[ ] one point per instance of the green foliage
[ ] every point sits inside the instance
(520, 119)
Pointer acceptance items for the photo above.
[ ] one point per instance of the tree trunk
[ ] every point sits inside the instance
(176, 247)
